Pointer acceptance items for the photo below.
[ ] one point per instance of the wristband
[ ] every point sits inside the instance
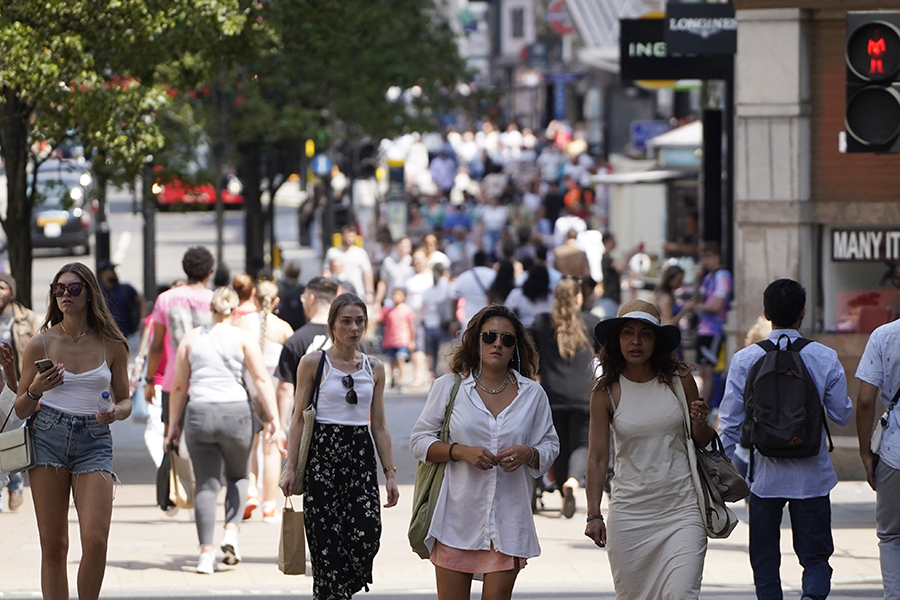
(389, 469)
(149, 381)
(594, 516)
(32, 397)
(451, 452)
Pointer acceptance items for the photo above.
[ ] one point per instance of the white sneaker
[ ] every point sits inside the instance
(230, 547)
(207, 562)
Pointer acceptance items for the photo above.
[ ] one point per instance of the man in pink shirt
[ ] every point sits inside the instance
(176, 312)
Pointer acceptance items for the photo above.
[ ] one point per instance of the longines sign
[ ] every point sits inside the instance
(701, 29)
(644, 54)
(865, 245)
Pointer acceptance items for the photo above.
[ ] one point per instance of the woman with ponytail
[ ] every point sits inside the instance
(271, 332)
(566, 375)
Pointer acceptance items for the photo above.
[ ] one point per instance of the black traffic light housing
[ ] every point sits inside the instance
(367, 160)
(872, 115)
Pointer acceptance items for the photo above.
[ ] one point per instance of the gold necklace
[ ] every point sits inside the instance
(74, 338)
(481, 384)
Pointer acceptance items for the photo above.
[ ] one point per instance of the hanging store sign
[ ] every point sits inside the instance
(701, 29)
(865, 245)
(643, 54)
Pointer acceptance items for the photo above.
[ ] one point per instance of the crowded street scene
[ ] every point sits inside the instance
(517, 299)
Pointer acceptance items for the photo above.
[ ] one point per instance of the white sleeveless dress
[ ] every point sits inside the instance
(656, 539)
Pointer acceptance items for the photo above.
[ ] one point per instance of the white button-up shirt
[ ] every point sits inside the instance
(476, 508)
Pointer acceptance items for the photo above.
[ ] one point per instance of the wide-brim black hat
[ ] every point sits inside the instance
(668, 336)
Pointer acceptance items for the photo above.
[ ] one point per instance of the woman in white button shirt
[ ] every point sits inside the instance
(501, 438)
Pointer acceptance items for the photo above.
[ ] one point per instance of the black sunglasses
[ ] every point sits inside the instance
(507, 339)
(58, 289)
(351, 396)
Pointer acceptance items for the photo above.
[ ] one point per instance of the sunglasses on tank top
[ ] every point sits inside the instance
(351, 397)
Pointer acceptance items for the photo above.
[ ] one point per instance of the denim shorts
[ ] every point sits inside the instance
(78, 444)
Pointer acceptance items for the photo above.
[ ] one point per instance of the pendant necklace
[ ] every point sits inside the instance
(74, 338)
(506, 381)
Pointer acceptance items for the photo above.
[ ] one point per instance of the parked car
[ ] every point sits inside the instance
(61, 217)
(186, 194)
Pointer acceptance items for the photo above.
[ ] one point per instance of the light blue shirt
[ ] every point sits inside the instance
(798, 478)
(877, 368)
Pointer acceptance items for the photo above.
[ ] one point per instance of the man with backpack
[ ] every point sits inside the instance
(776, 397)
(879, 376)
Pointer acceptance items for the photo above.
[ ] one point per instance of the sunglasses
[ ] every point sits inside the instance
(351, 397)
(507, 339)
(57, 290)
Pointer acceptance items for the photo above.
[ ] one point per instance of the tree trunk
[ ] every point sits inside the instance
(15, 118)
(254, 222)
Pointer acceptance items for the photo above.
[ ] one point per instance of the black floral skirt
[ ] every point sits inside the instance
(342, 510)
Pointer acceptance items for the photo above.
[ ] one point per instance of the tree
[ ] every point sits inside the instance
(92, 70)
(321, 69)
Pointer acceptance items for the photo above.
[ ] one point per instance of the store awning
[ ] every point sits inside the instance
(686, 136)
(646, 177)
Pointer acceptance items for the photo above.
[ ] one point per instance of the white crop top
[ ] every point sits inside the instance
(80, 392)
(332, 408)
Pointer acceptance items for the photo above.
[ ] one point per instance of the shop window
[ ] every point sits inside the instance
(517, 20)
(859, 287)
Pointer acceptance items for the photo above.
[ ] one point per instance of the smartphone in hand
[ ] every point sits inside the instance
(44, 364)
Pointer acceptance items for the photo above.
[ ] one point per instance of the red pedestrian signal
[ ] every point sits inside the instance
(872, 115)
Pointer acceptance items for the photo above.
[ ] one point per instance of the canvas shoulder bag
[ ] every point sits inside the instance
(429, 477)
(718, 520)
(309, 421)
(16, 448)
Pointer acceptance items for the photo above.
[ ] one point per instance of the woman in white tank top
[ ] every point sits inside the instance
(86, 356)
(272, 332)
(341, 503)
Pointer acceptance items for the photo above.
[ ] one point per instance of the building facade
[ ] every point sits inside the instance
(803, 208)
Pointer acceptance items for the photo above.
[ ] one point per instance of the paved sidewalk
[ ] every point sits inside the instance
(150, 553)
(153, 556)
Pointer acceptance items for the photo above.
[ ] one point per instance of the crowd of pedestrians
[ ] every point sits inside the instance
(494, 300)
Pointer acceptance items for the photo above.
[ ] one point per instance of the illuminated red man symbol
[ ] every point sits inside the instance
(877, 48)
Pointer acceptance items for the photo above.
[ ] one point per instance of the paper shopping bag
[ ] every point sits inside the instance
(181, 479)
(292, 546)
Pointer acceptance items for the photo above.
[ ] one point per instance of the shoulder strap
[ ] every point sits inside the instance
(478, 281)
(766, 345)
(215, 341)
(8, 415)
(445, 424)
(799, 344)
(314, 395)
(894, 401)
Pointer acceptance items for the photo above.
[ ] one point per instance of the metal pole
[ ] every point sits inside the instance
(148, 209)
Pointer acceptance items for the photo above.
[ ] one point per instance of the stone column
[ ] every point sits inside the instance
(774, 228)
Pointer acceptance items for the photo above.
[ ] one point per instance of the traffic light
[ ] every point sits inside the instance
(368, 160)
(872, 115)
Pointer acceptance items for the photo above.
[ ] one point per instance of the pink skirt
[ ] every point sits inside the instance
(474, 561)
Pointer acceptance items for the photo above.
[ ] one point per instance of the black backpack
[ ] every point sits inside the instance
(784, 414)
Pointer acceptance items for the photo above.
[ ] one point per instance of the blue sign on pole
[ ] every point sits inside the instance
(321, 164)
(643, 131)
